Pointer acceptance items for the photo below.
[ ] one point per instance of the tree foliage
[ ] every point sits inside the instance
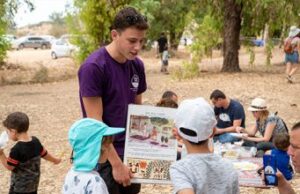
(59, 26)
(249, 18)
(8, 8)
(57, 18)
(212, 20)
(90, 23)
(91, 20)
(3, 26)
(168, 16)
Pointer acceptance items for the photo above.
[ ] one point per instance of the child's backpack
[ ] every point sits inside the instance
(285, 126)
(288, 47)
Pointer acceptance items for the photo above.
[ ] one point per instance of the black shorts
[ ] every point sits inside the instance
(105, 171)
(23, 193)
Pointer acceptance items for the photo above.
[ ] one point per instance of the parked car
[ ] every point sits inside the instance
(9, 37)
(31, 42)
(62, 48)
(49, 38)
(258, 42)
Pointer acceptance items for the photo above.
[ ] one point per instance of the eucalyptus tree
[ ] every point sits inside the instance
(248, 17)
(171, 17)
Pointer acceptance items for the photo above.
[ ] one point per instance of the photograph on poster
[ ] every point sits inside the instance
(154, 131)
(149, 169)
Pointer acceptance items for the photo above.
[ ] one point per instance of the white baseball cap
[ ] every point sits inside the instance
(196, 115)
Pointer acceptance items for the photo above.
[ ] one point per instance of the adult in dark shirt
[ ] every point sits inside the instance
(229, 113)
(162, 43)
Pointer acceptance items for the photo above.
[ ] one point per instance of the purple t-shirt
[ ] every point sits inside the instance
(117, 84)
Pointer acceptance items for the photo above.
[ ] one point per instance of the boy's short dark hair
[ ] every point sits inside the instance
(18, 121)
(296, 126)
(168, 94)
(282, 141)
(129, 17)
(192, 133)
(216, 94)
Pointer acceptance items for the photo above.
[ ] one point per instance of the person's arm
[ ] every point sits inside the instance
(284, 187)
(3, 159)
(121, 173)
(93, 107)
(138, 99)
(267, 136)
(236, 123)
(51, 158)
(251, 132)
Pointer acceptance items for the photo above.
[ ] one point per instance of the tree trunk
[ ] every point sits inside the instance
(232, 27)
(266, 36)
(175, 38)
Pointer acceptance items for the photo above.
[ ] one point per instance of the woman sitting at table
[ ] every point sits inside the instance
(267, 124)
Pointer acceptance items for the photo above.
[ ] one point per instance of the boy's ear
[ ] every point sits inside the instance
(14, 131)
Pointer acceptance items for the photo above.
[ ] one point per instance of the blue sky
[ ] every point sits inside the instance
(43, 8)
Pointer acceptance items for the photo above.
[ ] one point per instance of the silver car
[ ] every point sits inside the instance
(31, 42)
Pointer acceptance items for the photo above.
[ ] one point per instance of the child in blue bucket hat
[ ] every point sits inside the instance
(89, 139)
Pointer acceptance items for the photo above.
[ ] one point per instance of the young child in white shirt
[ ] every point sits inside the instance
(90, 140)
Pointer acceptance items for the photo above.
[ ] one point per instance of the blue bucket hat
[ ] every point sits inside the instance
(85, 137)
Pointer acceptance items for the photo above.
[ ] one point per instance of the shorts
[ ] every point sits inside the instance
(165, 62)
(292, 58)
(105, 171)
(35, 192)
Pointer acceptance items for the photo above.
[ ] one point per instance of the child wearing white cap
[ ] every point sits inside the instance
(89, 139)
(200, 171)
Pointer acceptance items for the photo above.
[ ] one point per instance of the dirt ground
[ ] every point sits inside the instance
(53, 107)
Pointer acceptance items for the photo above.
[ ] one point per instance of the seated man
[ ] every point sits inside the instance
(229, 113)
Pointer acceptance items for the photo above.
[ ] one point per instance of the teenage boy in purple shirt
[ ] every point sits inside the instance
(111, 78)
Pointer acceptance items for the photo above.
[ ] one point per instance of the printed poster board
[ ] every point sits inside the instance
(150, 147)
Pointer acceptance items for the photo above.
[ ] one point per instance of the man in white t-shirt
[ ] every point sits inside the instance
(201, 171)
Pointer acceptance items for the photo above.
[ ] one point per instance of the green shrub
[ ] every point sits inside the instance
(41, 75)
(4, 46)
